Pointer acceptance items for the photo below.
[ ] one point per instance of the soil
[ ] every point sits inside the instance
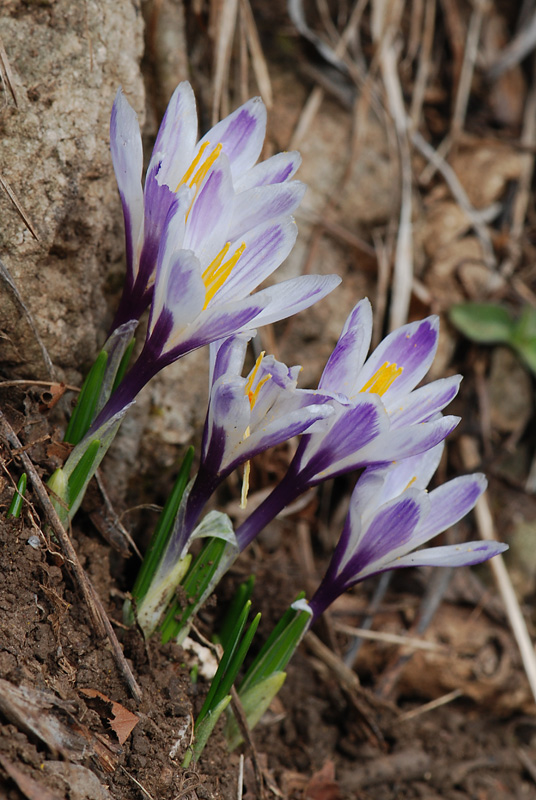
(451, 716)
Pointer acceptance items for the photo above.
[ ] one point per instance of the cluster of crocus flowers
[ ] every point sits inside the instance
(378, 418)
(209, 226)
(246, 416)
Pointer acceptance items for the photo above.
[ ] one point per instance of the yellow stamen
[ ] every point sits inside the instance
(193, 166)
(217, 273)
(412, 481)
(204, 168)
(252, 395)
(382, 379)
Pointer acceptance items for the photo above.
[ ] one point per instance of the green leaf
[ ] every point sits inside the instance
(255, 701)
(83, 472)
(15, 506)
(195, 583)
(203, 731)
(242, 595)
(84, 412)
(487, 323)
(279, 648)
(215, 693)
(163, 530)
(526, 350)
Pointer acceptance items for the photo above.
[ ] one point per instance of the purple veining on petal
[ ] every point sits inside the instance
(412, 347)
(349, 354)
(451, 502)
(257, 206)
(460, 555)
(352, 429)
(422, 404)
(391, 528)
(277, 169)
(216, 325)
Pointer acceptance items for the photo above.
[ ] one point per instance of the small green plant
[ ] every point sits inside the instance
(489, 323)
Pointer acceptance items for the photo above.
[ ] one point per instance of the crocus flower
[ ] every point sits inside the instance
(245, 417)
(391, 515)
(378, 416)
(223, 229)
(181, 166)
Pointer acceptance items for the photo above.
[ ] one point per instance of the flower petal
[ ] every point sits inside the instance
(174, 147)
(449, 503)
(127, 158)
(391, 530)
(211, 212)
(350, 351)
(261, 204)
(407, 442)
(454, 555)
(411, 347)
(227, 356)
(267, 246)
(290, 297)
(241, 134)
(277, 169)
(423, 403)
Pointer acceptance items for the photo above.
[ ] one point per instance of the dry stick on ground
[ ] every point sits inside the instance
(99, 618)
(484, 519)
(242, 722)
(423, 69)
(258, 61)
(524, 193)
(314, 102)
(226, 24)
(478, 218)
(463, 90)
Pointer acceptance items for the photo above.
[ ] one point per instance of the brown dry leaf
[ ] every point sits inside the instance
(122, 721)
(485, 168)
(323, 785)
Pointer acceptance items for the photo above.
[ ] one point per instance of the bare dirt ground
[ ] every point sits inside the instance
(417, 126)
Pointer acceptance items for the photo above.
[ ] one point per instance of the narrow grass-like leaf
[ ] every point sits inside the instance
(204, 730)
(255, 701)
(214, 694)
(194, 584)
(84, 412)
(242, 595)
(83, 472)
(279, 648)
(163, 529)
(15, 506)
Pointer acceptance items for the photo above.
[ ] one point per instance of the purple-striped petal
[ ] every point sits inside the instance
(181, 297)
(261, 204)
(266, 248)
(449, 503)
(454, 555)
(211, 212)
(407, 442)
(127, 158)
(292, 296)
(422, 404)
(227, 356)
(277, 169)
(391, 529)
(411, 347)
(241, 134)
(348, 356)
(175, 143)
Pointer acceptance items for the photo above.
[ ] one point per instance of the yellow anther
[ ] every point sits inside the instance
(412, 481)
(204, 168)
(193, 166)
(252, 396)
(253, 373)
(382, 379)
(217, 273)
